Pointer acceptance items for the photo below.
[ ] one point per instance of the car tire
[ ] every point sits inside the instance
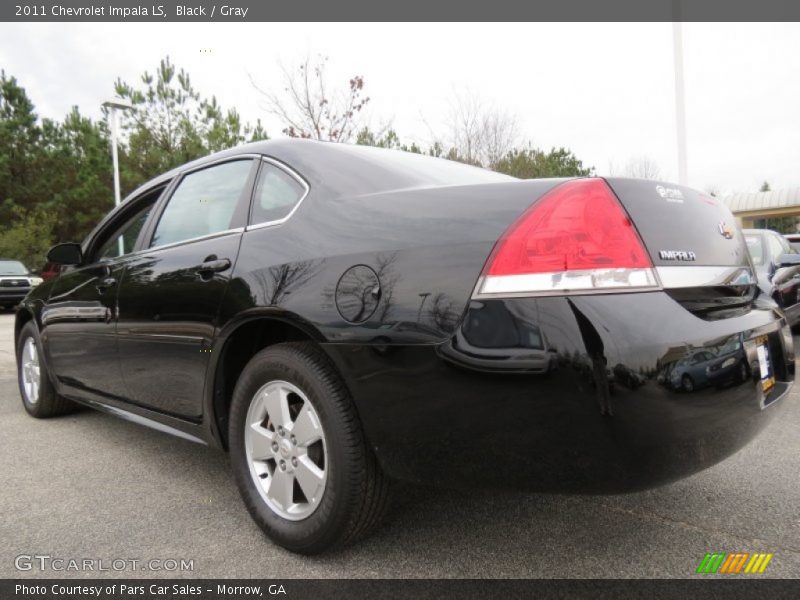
(38, 397)
(687, 385)
(353, 494)
(742, 372)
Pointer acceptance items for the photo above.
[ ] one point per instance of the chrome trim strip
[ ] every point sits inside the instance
(589, 280)
(160, 336)
(233, 157)
(603, 281)
(294, 175)
(189, 241)
(700, 276)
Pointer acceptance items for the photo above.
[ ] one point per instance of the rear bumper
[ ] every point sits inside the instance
(602, 417)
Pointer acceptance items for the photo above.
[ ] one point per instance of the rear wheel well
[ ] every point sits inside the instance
(22, 317)
(240, 346)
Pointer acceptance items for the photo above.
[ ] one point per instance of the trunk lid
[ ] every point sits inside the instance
(699, 253)
(679, 225)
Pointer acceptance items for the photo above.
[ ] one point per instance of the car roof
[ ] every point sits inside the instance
(348, 169)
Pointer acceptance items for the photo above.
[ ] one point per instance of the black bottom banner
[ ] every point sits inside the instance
(450, 589)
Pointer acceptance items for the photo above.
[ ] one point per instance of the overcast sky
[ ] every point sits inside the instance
(605, 91)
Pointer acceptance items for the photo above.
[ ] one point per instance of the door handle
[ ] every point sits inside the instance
(212, 265)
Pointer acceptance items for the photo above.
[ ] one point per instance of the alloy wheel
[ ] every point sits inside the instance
(31, 373)
(286, 451)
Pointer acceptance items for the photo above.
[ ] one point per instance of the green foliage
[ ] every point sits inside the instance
(56, 172)
(386, 139)
(77, 175)
(29, 237)
(20, 140)
(531, 163)
(525, 163)
(56, 178)
(779, 224)
(171, 124)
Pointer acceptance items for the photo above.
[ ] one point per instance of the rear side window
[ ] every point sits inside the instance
(277, 193)
(203, 203)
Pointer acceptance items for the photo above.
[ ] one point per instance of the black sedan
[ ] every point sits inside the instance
(337, 317)
(777, 266)
(16, 280)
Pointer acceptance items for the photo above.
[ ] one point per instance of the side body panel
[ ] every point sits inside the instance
(167, 323)
(78, 330)
(427, 247)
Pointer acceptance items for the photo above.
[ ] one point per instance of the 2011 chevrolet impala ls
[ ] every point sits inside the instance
(337, 317)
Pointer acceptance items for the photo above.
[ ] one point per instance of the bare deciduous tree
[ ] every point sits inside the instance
(641, 167)
(309, 107)
(478, 133)
(356, 293)
(278, 282)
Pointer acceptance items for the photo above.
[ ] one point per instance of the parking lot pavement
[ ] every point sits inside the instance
(91, 486)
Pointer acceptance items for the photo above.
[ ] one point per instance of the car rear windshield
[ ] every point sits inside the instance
(12, 267)
(755, 245)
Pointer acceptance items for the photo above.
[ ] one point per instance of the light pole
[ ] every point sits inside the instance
(112, 105)
(680, 106)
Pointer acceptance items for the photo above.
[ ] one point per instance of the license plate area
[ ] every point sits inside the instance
(765, 364)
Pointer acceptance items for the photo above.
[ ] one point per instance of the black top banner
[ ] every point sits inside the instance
(408, 10)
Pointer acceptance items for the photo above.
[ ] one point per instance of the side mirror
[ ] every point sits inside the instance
(65, 254)
(33, 271)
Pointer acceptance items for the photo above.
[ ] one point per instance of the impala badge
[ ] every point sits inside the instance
(685, 255)
(725, 231)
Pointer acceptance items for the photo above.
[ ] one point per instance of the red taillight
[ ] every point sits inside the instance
(576, 237)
